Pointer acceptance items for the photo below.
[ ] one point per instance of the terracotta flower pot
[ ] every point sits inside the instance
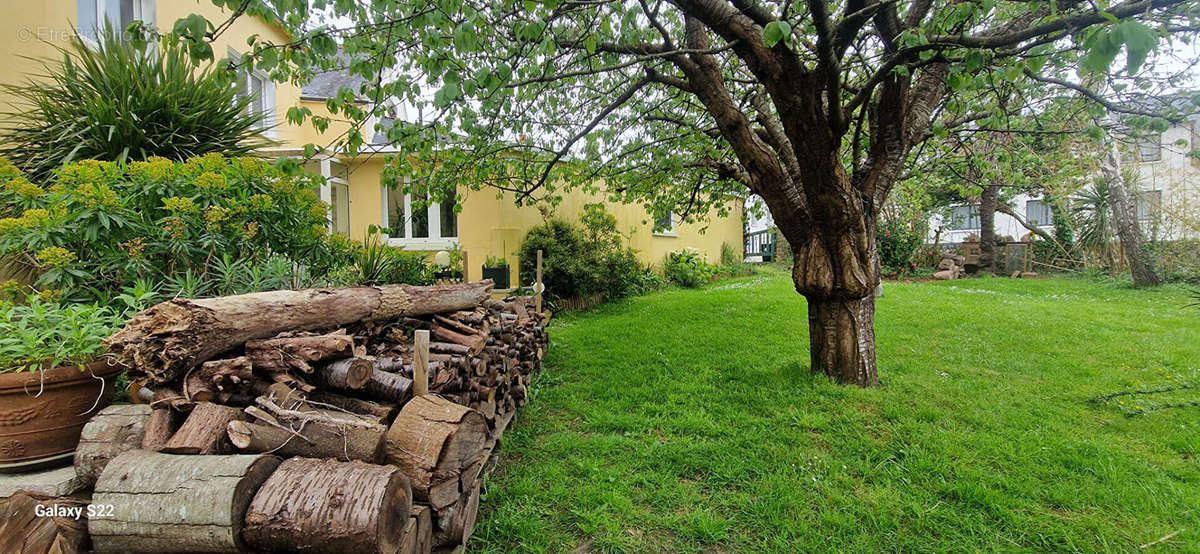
(37, 430)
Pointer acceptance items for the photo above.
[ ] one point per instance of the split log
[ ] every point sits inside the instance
(170, 338)
(159, 427)
(24, 531)
(167, 503)
(454, 525)
(418, 535)
(382, 410)
(389, 386)
(298, 352)
(346, 373)
(110, 432)
(449, 348)
(204, 431)
(433, 440)
(311, 439)
(312, 505)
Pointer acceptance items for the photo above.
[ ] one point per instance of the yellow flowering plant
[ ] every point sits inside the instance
(99, 226)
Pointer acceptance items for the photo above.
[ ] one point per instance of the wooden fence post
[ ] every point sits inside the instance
(466, 267)
(538, 287)
(421, 362)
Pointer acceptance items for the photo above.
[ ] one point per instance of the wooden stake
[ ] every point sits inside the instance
(539, 282)
(466, 268)
(421, 363)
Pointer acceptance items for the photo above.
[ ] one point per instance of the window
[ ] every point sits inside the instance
(434, 225)
(335, 192)
(964, 218)
(259, 88)
(1149, 148)
(1148, 203)
(665, 225)
(93, 14)
(1037, 212)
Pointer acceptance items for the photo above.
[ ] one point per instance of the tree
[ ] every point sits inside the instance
(1124, 213)
(815, 106)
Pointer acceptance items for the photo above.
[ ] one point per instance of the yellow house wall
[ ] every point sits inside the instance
(493, 225)
(32, 29)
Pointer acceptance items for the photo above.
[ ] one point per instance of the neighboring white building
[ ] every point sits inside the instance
(1167, 189)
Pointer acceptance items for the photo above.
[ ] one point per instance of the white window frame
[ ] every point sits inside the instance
(270, 110)
(326, 194)
(143, 10)
(966, 224)
(669, 231)
(1043, 204)
(435, 240)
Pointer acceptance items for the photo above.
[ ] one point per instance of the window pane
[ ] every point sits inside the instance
(88, 18)
(340, 196)
(125, 14)
(449, 218)
(1147, 204)
(665, 223)
(395, 210)
(338, 170)
(420, 218)
(1038, 212)
(1150, 148)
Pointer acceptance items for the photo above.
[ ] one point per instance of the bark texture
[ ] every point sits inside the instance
(23, 531)
(988, 201)
(1124, 211)
(167, 340)
(326, 506)
(312, 439)
(433, 440)
(204, 431)
(168, 503)
(842, 339)
(114, 430)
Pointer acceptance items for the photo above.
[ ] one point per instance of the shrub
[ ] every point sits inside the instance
(100, 226)
(900, 246)
(495, 262)
(120, 100)
(687, 268)
(43, 332)
(580, 262)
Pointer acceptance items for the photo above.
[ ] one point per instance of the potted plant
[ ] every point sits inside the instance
(53, 378)
(496, 269)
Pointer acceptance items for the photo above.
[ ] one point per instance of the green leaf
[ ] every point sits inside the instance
(1140, 40)
(775, 32)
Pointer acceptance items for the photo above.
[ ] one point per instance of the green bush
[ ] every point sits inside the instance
(687, 268)
(38, 331)
(587, 261)
(900, 246)
(120, 101)
(100, 226)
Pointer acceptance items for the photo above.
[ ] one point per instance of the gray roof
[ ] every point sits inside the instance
(327, 83)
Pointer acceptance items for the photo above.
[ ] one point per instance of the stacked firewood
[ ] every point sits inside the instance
(298, 420)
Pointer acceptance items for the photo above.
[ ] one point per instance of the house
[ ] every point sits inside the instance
(488, 224)
(1166, 189)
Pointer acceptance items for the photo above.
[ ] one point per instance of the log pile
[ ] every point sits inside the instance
(297, 421)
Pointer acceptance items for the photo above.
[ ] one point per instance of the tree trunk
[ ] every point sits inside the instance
(167, 503)
(988, 200)
(327, 506)
(842, 339)
(114, 430)
(1125, 218)
(167, 340)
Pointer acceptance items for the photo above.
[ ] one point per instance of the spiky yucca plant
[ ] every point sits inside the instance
(118, 100)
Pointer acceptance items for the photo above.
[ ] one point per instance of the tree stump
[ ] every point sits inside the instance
(326, 506)
(167, 503)
(204, 431)
(433, 440)
(114, 430)
(23, 531)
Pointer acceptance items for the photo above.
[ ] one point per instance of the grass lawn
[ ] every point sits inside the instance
(687, 421)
